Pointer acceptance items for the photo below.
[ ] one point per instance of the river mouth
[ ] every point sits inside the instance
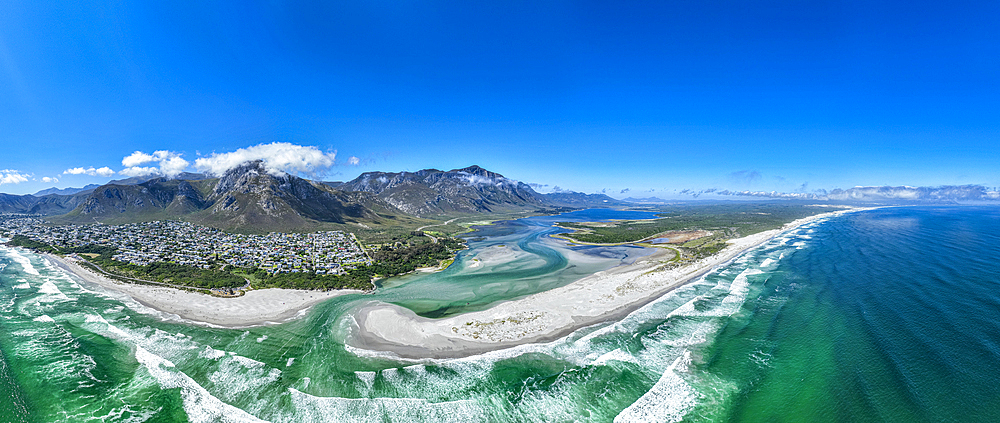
(509, 260)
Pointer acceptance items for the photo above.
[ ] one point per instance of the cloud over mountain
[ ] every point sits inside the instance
(170, 164)
(279, 158)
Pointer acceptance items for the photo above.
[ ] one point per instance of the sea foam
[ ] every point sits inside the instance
(23, 261)
(52, 292)
(199, 404)
(310, 408)
(668, 401)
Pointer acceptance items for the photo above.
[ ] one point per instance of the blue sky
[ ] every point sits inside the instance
(653, 97)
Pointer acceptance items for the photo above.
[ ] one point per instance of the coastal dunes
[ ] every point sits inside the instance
(544, 316)
(256, 307)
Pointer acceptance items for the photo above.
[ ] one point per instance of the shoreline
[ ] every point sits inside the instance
(256, 307)
(544, 316)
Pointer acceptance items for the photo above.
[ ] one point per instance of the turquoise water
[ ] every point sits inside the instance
(885, 315)
(542, 264)
(889, 315)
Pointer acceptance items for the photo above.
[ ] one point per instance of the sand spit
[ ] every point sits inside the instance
(544, 316)
(255, 308)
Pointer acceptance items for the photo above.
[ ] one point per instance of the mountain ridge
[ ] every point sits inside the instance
(431, 192)
(250, 198)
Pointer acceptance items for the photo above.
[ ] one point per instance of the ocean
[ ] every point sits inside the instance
(883, 315)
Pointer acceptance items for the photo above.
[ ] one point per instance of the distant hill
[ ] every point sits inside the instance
(55, 201)
(431, 192)
(65, 191)
(51, 204)
(136, 180)
(580, 200)
(160, 197)
(10, 203)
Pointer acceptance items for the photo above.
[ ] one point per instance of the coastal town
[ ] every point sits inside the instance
(323, 253)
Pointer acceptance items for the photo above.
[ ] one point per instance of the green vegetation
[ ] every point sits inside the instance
(728, 220)
(23, 241)
(389, 261)
(359, 278)
(168, 273)
(384, 234)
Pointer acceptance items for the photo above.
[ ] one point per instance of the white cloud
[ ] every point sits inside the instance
(278, 157)
(771, 194)
(48, 180)
(908, 193)
(170, 164)
(104, 171)
(173, 166)
(473, 179)
(888, 194)
(139, 171)
(10, 176)
(75, 171)
(136, 159)
(353, 161)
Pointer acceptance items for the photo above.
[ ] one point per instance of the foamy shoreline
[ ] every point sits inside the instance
(544, 316)
(255, 308)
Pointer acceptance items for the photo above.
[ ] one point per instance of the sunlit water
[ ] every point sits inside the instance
(886, 315)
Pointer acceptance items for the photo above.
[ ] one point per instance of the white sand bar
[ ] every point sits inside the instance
(256, 307)
(546, 315)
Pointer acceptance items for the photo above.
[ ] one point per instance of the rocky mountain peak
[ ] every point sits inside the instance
(242, 178)
(475, 170)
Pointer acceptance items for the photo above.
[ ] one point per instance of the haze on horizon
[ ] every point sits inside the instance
(627, 99)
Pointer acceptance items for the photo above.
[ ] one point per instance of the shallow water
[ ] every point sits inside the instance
(881, 315)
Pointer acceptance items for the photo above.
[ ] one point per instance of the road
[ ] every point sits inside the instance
(432, 237)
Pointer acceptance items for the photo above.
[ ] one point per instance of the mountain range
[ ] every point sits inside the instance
(251, 198)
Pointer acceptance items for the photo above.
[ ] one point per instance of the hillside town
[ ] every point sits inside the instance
(325, 253)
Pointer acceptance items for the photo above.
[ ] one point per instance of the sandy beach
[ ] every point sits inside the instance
(544, 316)
(256, 307)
